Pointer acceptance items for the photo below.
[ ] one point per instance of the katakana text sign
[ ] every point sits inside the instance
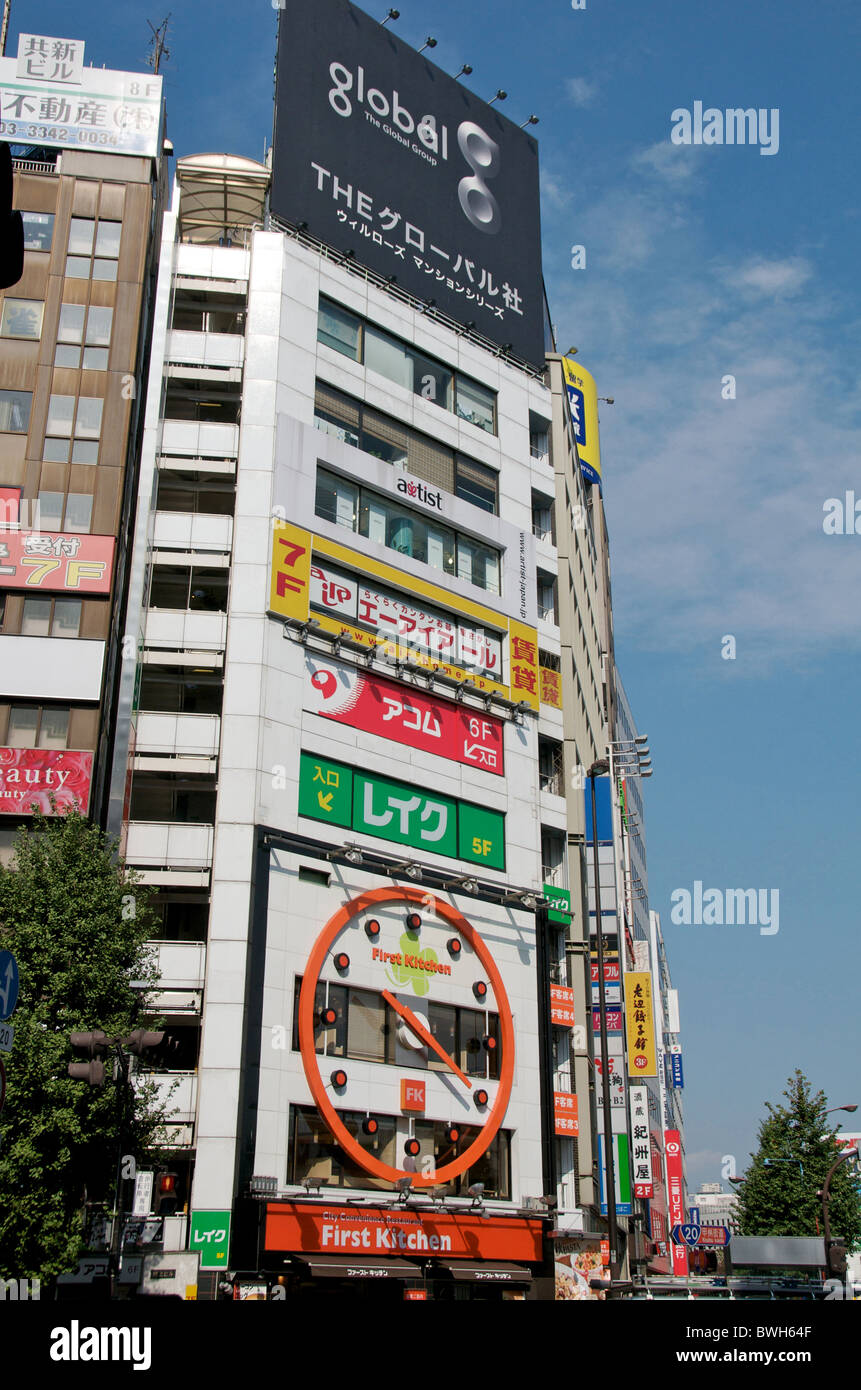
(380, 153)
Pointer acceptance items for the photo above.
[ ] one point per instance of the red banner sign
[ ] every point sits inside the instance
(676, 1194)
(403, 714)
(319, 1228)
(52, 562)
(565, 1114)
(29, 775)
(562, 1006)
(10, 503)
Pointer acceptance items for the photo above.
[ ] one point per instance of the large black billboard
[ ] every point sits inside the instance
(382, 154)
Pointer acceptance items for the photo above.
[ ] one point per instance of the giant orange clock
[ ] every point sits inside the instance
(411, 948)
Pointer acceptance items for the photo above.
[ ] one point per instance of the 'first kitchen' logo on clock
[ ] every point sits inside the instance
(420, 493)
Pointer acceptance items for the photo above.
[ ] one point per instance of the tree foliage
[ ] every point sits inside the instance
(76, 922)
(779, 1194)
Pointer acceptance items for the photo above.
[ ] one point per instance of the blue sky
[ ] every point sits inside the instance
(702, 261)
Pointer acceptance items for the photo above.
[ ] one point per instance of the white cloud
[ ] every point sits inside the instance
(581, 91)
(675, 163)
(772, 279)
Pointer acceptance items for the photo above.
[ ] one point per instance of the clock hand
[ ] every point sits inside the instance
(426, 1037)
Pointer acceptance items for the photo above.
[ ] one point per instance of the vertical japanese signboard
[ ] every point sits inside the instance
(583, 399)
(622, 1175)
(642, 1053)
(641, 1155)
(562, 1006)
(566, 1123)
(675, 1194)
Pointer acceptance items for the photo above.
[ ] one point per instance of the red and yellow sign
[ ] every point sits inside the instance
(642, 1053)
(566, 1122)
(562, 1006)
(319, 1228)
(53, 562)
(550, 689)
(295, 551)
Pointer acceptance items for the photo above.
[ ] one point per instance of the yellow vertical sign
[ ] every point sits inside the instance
(642, 1055)
(523, 663)
(289, 594)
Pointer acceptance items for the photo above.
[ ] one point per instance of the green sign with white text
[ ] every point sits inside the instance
(210, 1237)
(400, 812)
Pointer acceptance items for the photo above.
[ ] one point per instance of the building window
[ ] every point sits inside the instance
(185, 587)
(553, 857)
(73, 429)
(550, 777)
(31, 726)
(396, 360)
(380, 519)
(38, 230)
(208, 494)
(45, 617)
(198, 312)
(546, 597)
(161, 796)
(179, 915)
(93, 249)
(181, 689)
(384, 438)
(542, 517)
(83, 337)
(202, 401)
(15, 411)
(21, 318)
(59, 511)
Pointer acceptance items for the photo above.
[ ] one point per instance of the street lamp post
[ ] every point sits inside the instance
(825, 1194)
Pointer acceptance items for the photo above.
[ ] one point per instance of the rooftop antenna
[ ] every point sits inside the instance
(157, 44)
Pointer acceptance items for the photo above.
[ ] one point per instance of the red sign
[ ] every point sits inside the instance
(50, 562)
(566, 1120)
(680, 1260)
(318, 1228)
(415, 1295)
(562, 1006)
(403, 714)
(29, 775)
(643, 1189)
(10, 504)
(605, 1252)
(413, 1095)
(676, 1194)
(612, 972)
(614, 1019)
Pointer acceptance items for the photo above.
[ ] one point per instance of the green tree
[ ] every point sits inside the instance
(779, 1194)
(76, 922)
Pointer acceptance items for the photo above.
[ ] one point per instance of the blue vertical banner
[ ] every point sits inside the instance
(676, 1070)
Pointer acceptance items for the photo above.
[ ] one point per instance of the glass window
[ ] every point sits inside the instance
(81, 233)
(38, 230)
(388, 357)
(23, 723)
(104, 270)
(432, 380)
(67, 617)
(366, 1026)
(88, 423)
(337, 500)
(476, 484)
(85, 451)
(79, 510)
(475, 404)
(108, 239)
(95, 359)
(71, 326)
(99, 321)
(21, 318)
(56, 451)
(66, 356)
(15, 411)
(208, 591)
(53, 728)
(36, 619)
(339, 329)
(61, 413)
(169, 587)
(77, 267)
(478, 564)
(50, 510)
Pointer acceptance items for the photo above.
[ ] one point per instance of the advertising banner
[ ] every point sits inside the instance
(321, 1228)
(291, 572)
(210, 1237)
(550, 692)
(48, 97)
(618, 1108)
(562, 1006)
(381, 154)
(641, 1157)
(642, 1052)
(403, 715)
(614, 1019)
(34, 775)
(577, 1262)
(566, 1121)
(56, 563)
(583, 397)
(401, 812)
(677, 1071)
(559, 904)
(675, 1195)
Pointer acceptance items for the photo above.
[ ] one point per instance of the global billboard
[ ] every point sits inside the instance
(383, 156)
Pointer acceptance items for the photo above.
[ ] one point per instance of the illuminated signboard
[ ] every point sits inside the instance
(52, 563)
(381, 154)
(403, 714)
(401, 812)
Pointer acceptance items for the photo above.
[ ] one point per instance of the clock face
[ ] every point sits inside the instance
(435, 1020)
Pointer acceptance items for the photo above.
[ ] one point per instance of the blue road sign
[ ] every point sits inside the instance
(705, 1236)
(8, 984)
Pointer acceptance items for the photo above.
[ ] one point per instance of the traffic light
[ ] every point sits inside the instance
(154, 1047)
(95, 1047)
(166, 1197)
(11, 227)
(837, 1258)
